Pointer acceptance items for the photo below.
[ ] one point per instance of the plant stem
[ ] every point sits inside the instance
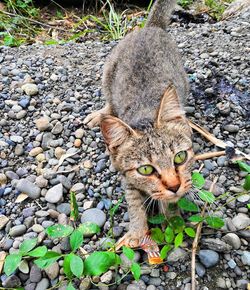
(196, 240)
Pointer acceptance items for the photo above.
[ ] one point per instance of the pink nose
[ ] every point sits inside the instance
(174, 188)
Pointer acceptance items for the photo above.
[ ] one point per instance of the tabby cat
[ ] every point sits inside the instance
(143, 122)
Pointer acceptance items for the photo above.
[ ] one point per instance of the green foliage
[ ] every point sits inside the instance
(187, 205)
(89, 228)
(246, 185)
(48, 259)
(217, 7)
(136, 271)
(157, 235)
(59, 231)
(129, 253)
(76, 265)
(12, 261)
(76, 240)
(198, 180)
(206, 196)
(157, 219)
(74, 213)
(214, 222)
(27, 246)
(185, 3)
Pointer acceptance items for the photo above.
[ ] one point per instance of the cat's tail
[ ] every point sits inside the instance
(160, 13)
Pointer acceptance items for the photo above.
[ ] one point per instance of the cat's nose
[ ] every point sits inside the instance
(174, 188)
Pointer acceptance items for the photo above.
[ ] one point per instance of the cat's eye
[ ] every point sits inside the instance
(146, 170)
(180, 157)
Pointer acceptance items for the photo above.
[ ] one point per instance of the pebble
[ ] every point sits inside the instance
(231, 263)
(25, 186)
(63, 208)
(216, 245)
(231, 128)
(221, 283)
(241, 221)
(155, 281)
(43, 284)
(3, 221)
(126, 263)
(35, 274)
(79, 133)
(54, 194)
(78, 188)
(17, 230)
(244, 198)
(3, 179)
(233, 240)
(94, 215)
(176, 255)
(208, 258)
(107, 277)
(11, 282)
(35, 151)
(200, 269)
(245, 258)
(42, 124)
(59, 152)
(30, 89)
(52, 271)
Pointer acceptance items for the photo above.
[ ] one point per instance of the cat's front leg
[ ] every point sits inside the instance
(138, 226)
(94, 118)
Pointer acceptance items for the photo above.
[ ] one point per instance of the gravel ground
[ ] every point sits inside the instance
(45, 93)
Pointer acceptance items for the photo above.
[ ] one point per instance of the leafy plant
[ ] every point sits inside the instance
(185, 3)
(135, 267)
(245, 167)
(217, 7)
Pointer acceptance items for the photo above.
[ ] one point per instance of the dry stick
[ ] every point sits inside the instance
(214, 140)
(34, 21)
(196, 240)
(209, 155)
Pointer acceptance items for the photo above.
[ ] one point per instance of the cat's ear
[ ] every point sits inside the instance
(115, 131)
(170, 107)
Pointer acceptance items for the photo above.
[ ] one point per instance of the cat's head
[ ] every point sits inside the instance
(158, 159)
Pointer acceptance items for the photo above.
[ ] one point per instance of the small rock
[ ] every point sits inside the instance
(3, 221)
(43, 284)
(221, 283)
(244, 198)
(208, 258)
(216, 245)
(233, 240)
(200, 270)
(85, 284)
(231, 128)
(231, 263)
(64, 208)
(77, 143)
(57, 129)
(35, 151)
(30, 89)
(88, 204)
(79, 133)
(177, 254)
(17, 230)
(107, 277)
(241, 221)
(151, 287)
(155, 281)
(245, 258)
(87, 164)
(42, 124)
(94, 215)
(126, 263)
(37, 228)
(78, 188)
(3, 179)
(11, 282)
(54, 194)
(52, 271)
(25, 186)
(59, 152)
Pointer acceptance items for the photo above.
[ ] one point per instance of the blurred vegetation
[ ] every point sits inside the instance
(30, 21)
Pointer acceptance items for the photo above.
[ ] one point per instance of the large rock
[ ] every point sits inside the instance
(25, 186)
(208, 258)
(241, 221)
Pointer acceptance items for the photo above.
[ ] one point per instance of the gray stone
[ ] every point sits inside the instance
(208, 258)
(126, 263)
(176, 255)
(30, 286)
(244, 198)
(25, 186)
(35, 274)
(106, 277)
(85, 284)
(63, 208)
(3, 221)
(155, 281)
(221, 283)
(17, 230)
(57, 129)
(233, 240)
(52, 271)
(216, 244)
(231, 263)
(231, 128)
(245, 258)
(54, 194)
(241, 221)
(151, 287)
(94, 215)
(78, 188)
(43, 284)
(200, 269)
(11, 282)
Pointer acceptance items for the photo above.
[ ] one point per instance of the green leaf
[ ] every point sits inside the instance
(198, 180)
(246, 185)
(136, 271)
(27, 246)
(66, 265)
(187, 205)
(129, 253)
(11, 263)
(190, 232)
(169, 235)
(76, 240)
(157, 235)
(215, 222)
(164, 251)
(59, 231)
(196, 218)
(243, 166)
(177, 223)
(157, 219)
(48, 259)
(248, 205)
(89, 228)
(70, 286)
(178, 240)
(74, 213)
(9, 40)
(76, 265)
(114, 209)
(38, 252)
(206, 196)
(99, 262)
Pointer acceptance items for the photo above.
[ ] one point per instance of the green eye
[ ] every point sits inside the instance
(180, 157)
(146, 169)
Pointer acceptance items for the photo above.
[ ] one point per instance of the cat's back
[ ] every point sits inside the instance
(138, 72)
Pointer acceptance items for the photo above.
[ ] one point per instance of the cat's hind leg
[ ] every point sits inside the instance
(94, 118)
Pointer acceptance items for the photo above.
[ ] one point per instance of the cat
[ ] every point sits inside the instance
(143, 123)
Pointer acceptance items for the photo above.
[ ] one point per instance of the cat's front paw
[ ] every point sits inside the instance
(131, 239)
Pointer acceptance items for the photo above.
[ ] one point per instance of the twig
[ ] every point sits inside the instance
(196, 240)
(34, 21)
(208, 155)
